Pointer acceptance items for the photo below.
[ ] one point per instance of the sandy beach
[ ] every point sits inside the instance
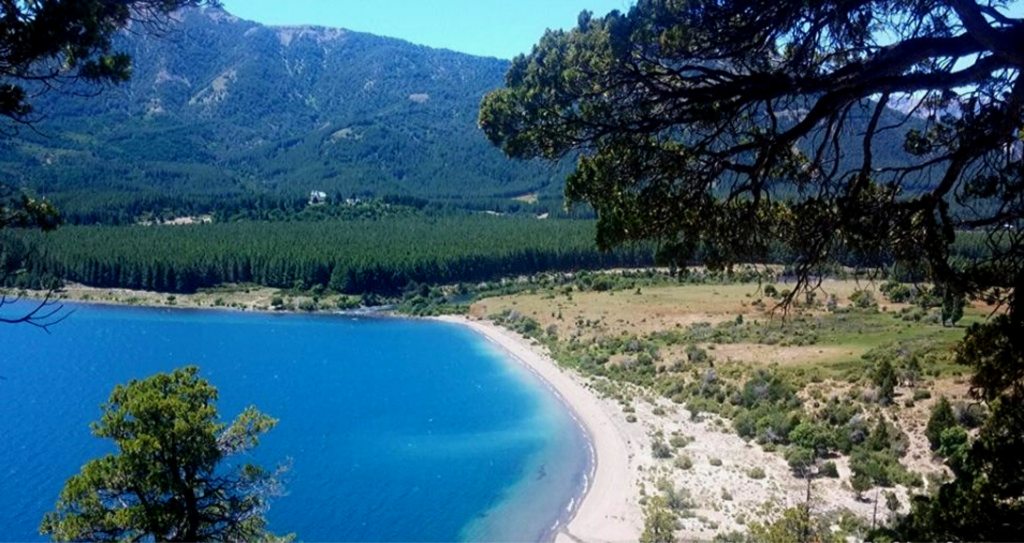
(724, 496)
(609, 511)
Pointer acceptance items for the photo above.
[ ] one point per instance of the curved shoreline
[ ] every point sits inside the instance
(607, 508)
(604, 512)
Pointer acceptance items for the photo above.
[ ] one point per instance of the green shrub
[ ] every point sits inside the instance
(838, 412)
(953, 445)
(731, 537)
(860, 483)
(886, 437)
(767, 388)
(756, 473)
(941, 419)
(882, 468)
(677, 499)
(661, 450)
(815, 437)
(768, 424)
(863, 299)
(696, 355)
(896, 292)
(683, 462)
(829, 469)
(659, 522)
(800, 459)
(346, 303)
(795, 524)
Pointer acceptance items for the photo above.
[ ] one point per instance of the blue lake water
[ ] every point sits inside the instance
(396, 430)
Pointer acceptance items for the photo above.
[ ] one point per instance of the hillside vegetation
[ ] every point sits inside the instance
(223, 110)
(228, 117)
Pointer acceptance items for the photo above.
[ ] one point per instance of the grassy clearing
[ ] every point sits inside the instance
(737, 323)
(594, 314)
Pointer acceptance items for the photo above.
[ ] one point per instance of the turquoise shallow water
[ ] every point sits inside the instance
(396, 430)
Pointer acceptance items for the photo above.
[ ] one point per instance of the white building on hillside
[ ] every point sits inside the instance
(317, 197)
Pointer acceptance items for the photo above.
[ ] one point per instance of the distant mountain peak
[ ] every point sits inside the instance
(218, 14)
(287, 34)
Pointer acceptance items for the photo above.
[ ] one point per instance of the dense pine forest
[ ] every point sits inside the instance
(354, 256)
(366, 251)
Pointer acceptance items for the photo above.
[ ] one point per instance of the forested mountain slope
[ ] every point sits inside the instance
(236, 118)
(220, 108)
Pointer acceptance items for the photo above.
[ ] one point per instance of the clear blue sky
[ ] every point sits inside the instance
(496, 28)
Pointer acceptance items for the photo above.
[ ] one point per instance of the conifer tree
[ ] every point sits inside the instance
(169, 479)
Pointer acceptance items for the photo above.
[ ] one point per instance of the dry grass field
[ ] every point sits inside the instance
(591, 315)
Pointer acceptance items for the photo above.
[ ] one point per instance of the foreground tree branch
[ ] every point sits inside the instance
(693, 119)
(49, 45)
(43, 315)
(756, 130)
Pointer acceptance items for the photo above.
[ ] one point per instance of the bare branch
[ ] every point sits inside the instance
(43, 315)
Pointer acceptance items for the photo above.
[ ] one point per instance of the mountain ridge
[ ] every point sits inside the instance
(227, 108)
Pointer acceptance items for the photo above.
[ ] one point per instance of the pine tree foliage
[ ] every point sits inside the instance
(353, 257)
(170, 479)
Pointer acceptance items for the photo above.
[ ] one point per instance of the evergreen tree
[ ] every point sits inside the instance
(659, 522)
(795, 525)
(861, 482)
(884, 377)
(169, 479)
(49, 44)
(952, 307)
(44, 45)
(941, 419)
